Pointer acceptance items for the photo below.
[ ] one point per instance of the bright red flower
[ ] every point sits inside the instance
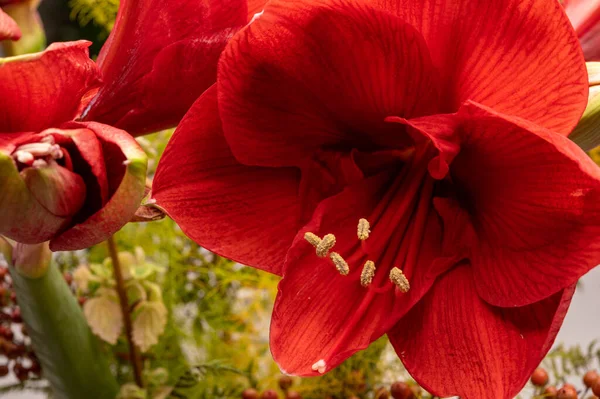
(159, 58)
(585, 17)
(72, 183)
(8, 28)
(443, 124)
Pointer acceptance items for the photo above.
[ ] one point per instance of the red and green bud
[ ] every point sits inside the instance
(73, 186)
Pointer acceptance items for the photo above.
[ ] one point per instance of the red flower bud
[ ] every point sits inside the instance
(73, 186)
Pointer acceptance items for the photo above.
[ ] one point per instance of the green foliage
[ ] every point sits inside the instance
(101, 13)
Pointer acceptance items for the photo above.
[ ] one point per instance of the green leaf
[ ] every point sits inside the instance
(69, 353)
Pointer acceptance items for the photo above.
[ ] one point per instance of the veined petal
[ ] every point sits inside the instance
(454, 343)
(255, 7)
(43, 90)
(126, 166)
(8, 28)
(533, 198)
(322, 314)
(57, 189)
(519, 57)
(248, 214)
(158, 60)
(289, 85)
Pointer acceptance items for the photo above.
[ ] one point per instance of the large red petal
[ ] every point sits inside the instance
(533, 198)
(320, 314)
(8, 28)
(454, 343)
(43, 90)
(160, 57)
(309, 74)
(255, 7)
(248, 214)
(519, 57)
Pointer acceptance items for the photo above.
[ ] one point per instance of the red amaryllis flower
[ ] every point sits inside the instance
(585, 17)
(8, 28)
(159, 58)
(73, 183)
(404, 166)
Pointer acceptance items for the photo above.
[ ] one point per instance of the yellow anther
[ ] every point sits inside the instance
(325, 245)
(312, 238)
(368, 272)
(340, 263)
(363, 230)
(398, 278)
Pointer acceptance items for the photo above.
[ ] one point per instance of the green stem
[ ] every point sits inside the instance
(134, 357)
(71, 357)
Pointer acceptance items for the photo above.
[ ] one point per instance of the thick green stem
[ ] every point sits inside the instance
(134, 357)
(70, 355)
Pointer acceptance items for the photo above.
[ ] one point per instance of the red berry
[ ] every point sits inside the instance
(11, 350)
(567, 392)
(7, 333)
(550, 392)
(596, 387)
(292, 395)
(81, 300)
(35, 367)
(539, 378)
(250, 393)
(590, 378)
(285, 382)
(401, 390)
(68, 277)
(20, 372)
(269, 394)
(16, 315)
(13, 296)
(4, 370)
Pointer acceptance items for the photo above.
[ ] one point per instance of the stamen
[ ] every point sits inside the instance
(340, 264)
(325, 245)
(56, 152)
(398, 278)
(24, 157)
(37, 149)
(363, 229)
(320, 366)
(368, 272)
(312, 238)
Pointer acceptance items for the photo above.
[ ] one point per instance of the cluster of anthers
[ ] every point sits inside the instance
(324, 245)
(38, 154)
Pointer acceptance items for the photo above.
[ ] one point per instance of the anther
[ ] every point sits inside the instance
(363, 230)
(37, 149)
(325, 245)
(312, 238)
(368, 272)
(320, 366)
(24, 157)
(340, 264)
(398, 278)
